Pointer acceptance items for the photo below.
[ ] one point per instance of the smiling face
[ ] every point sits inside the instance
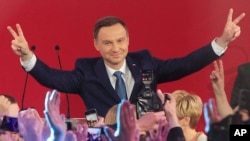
(112, 43)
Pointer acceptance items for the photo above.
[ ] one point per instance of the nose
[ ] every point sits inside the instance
(116, 47)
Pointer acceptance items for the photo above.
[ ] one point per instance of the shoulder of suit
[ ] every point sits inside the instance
(88, 59)
(140, 52)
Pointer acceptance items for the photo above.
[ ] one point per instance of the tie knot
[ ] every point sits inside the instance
(118, 74)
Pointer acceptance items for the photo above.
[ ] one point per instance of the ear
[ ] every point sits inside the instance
(96, 44)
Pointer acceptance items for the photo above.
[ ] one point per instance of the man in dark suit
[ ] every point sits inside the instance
(93, 78)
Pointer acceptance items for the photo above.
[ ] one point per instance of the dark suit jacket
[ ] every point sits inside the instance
(89, 78)
(242, 81)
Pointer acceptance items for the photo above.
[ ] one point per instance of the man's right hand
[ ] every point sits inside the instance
(19, 44)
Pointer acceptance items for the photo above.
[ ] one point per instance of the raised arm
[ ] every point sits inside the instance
(55, 120)
(217, 80)
(19, 44)
(231, 30)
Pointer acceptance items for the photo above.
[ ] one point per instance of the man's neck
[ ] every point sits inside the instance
(116, 66)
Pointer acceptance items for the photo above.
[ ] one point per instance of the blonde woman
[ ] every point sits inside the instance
(189, 111)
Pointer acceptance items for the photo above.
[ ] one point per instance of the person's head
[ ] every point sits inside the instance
(111, 40)
(110, 117)
(188, 108)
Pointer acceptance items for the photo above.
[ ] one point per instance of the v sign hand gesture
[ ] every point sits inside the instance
(19, 44)
(231, 29)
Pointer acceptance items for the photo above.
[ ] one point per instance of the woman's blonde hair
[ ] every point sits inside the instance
(188, 105)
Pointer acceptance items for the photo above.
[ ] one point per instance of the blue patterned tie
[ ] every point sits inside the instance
(120, 87)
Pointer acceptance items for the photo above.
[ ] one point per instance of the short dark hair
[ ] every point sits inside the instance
(108, 21)
(11, 99)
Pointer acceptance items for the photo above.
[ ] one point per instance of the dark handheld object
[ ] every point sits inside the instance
(166, 98)
(9, 124)
(91, 117)
(148, 100)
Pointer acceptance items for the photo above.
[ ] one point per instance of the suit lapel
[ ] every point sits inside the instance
(102, 77)
(136, 73)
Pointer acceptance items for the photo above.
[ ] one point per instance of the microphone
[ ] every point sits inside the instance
(68, 122)
(33, 48)
(57, 48)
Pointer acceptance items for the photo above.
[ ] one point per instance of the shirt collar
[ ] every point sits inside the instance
(112, 71)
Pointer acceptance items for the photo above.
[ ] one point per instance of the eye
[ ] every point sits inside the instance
(107, 43)
(120, 40)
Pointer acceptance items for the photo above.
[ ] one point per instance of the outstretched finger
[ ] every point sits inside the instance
(55, 98)
(230, 15)
(206, 117)
(12, 32)
(239, 18)
(160, 95)
(221, 68)
(109, 132)
(19, 30)
(216, 67)
(47, 101)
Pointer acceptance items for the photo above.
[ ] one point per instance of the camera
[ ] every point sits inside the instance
(148, 100)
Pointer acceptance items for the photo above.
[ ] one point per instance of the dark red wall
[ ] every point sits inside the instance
(167, 28)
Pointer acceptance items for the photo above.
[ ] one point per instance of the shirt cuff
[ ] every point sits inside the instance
(29, 65)
(218, 49)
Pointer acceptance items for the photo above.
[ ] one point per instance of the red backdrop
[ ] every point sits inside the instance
(167, 28)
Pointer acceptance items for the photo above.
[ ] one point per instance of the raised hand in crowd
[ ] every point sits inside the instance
(218, 115)
(6, 136)
(4, 104)
(217, 80)
(55, 120)
(81, 132)
(150, 121)
(70, 136)
(173, 131)
(211, 114)
(100, 122)
(126, 124)
(160, 134)
(30, 125)
(46, 131)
